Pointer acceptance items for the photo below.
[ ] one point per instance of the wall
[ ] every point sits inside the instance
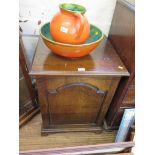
(99, 12)
(34, 13)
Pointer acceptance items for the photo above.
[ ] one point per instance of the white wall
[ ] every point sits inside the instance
(99, 13)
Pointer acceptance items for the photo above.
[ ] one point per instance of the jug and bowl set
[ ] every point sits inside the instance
(69, 33)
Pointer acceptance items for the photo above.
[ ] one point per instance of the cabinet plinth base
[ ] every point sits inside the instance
(64, 129)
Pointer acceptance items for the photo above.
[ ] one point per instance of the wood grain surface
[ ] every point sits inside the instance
(122, 37)
(102, 61)
(130, 153)
(31, 139)
(72, 103)
(80, 105)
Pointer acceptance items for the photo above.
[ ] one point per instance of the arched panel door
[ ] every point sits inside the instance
(75, 103)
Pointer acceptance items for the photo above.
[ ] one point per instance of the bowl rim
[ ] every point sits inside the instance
(74, 45)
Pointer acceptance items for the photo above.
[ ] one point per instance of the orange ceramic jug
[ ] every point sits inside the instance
(70, 25)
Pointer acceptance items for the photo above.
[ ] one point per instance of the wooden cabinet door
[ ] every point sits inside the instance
(75, 103)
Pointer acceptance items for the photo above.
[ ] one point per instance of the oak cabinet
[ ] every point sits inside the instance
(122, 37)
(75, 94)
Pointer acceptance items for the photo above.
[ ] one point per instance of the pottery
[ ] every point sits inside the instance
(70, 25)
(70, 50)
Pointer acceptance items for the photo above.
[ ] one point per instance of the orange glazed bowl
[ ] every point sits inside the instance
(72, 50)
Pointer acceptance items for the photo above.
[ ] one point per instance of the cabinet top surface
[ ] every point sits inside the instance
(102, 61)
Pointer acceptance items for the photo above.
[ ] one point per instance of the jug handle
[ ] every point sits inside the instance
(80, 16)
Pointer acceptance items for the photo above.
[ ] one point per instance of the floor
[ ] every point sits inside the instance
(121, 154)
(31, 139)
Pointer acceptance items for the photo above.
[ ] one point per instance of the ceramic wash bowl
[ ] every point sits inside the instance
(72, 50)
